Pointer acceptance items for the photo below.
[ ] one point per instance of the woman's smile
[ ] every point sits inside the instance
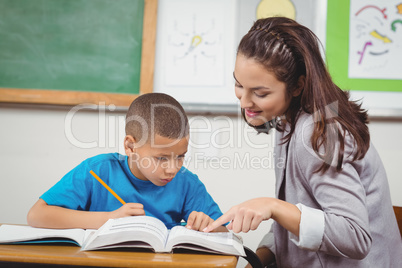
(251, 113)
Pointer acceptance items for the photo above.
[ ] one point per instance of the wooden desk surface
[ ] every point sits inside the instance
(71, 255)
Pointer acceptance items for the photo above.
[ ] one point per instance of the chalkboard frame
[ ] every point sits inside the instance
(41, 96)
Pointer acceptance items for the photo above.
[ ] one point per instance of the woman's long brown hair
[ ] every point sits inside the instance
(291, 51)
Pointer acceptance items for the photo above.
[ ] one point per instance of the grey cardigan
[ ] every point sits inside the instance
(347, 217)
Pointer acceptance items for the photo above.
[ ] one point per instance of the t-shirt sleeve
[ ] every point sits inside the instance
(72, 191)
(198, 199)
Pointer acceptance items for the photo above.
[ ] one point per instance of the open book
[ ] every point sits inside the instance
(136, 232)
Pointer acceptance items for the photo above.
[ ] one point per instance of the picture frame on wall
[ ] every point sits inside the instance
(363, 52)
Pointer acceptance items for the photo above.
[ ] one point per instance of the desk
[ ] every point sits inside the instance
(39, 255)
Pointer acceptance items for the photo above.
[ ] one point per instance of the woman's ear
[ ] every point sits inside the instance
(300, 86)
(129, 144)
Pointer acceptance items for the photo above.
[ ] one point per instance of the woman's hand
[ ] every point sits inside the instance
(248, 215)
(245, 216)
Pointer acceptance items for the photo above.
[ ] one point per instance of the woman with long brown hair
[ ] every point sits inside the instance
(332, 205)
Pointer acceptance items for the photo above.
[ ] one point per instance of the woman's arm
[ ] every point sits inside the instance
(248, 215)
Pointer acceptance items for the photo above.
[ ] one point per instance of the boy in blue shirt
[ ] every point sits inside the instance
(150, 178)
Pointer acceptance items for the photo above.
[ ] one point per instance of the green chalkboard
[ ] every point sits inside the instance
(71, 45)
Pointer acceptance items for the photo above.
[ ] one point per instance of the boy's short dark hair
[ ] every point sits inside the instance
(156, 113)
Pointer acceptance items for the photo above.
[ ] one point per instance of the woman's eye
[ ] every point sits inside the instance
(261, 95)
(161, 158)
(237, 85)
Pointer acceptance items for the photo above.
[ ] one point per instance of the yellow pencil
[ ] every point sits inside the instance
(107, 187)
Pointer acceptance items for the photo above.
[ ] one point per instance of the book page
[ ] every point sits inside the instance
(218, 242)
(88, 234)
(28, 234)
(135, 231)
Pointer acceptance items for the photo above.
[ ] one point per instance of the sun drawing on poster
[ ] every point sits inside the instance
(195, 46)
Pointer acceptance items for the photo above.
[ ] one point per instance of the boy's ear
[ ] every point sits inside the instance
(129, 144)
(300, 86)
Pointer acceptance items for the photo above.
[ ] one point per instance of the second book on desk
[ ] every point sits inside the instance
(134, 232)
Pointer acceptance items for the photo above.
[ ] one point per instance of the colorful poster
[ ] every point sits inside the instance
(375, 39)
(359, 51)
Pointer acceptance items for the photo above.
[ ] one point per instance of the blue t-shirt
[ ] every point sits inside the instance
(171, 203)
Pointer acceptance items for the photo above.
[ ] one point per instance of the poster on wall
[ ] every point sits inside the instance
(197, 40)
(375, 39)
(195, 51)
(364, 44)
(364, 52)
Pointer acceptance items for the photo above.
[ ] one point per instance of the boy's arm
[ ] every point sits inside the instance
(43, 215)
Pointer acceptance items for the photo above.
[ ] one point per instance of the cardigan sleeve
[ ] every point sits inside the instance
(340, 196)
(311, 228)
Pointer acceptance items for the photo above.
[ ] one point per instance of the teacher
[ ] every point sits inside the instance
(333, 206)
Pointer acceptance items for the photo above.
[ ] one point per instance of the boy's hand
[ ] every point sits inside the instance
(128, 209)
(198, 221)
